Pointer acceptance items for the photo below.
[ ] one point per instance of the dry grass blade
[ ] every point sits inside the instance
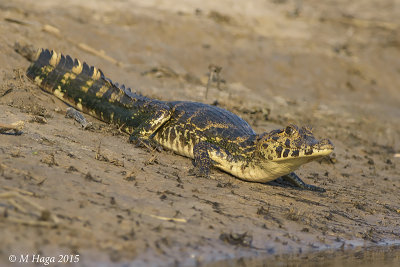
(98, 53)
(180, 220)
(45, 215)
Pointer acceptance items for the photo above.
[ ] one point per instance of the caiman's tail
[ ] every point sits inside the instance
(82, 86)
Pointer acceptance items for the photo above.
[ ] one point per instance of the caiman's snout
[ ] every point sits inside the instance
(311, 143)
(326, 144)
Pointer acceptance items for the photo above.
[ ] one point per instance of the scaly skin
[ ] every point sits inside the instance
(210, 135)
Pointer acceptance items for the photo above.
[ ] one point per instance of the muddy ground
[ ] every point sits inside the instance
(334, 65)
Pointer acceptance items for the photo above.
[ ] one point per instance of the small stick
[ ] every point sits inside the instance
(161, 217)
(17, 21)
(214, 74)
(17, 206)
(32, 222)
(7, 195)
(18, 190)
(51, 29)
(18, 171)
(168, 218)
(101, 54)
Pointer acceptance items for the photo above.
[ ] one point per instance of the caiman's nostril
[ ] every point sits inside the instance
(326, 143)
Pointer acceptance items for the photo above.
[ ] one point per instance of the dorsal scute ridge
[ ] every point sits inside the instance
(122, 87)
(77, 67)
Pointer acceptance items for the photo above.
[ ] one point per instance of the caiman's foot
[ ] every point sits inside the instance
(295, 180)
(199, 171)
(150, 144)
(202, 161)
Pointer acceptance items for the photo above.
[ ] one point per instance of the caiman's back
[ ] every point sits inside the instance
(186, 123)
(192, 122)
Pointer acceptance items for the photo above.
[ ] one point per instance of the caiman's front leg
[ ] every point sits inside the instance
(202, 159)
(142, 135)
(295, 180)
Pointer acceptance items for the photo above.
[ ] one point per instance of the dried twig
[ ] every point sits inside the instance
(168, 218)
(32, 222)
(98, 53)
(51, 29)
(214, 72)
(161, 217)
(4, 167)
(44, 213)
(18, 190)
(16, 21)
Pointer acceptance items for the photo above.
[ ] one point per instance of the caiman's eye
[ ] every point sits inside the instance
(289, 130)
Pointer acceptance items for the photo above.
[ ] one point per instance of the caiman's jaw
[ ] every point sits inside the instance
(293, 146)
(310, 153)
(282, 151)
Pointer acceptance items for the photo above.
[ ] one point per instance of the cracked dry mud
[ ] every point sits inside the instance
(334, 66)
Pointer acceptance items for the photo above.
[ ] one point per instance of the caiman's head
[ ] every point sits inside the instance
(292, 146)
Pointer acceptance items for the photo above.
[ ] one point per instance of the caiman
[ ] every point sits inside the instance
(210, 135)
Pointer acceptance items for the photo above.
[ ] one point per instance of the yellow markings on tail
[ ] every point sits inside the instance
(46, 70)
(92, 113)
(102, 91)
(113, 97)
(38, 53)
(58, 93)
(55, 59)
(38, 80)
(77, 69)
(67, 77)
(79, 104)
(116, 96)
(96, 74)
(86, 87)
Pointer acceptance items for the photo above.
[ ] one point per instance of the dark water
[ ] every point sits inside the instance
(366, 257)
